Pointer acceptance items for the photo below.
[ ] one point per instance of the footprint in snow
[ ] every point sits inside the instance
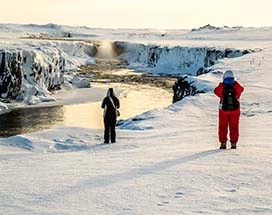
(179, 195)
(163, 203)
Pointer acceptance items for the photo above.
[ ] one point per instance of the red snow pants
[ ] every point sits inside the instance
(229, 121)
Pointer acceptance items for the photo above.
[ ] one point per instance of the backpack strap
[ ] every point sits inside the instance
(117, 112)
(112, 102)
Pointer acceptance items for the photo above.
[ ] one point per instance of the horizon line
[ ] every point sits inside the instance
(147, 28)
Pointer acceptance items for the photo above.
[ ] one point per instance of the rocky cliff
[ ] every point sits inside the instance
(39, 67)
(174, 60)
(22, 70)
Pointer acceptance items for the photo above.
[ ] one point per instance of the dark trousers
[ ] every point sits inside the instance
(109, 132)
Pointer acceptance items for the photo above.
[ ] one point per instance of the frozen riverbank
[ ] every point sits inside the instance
(82, 108)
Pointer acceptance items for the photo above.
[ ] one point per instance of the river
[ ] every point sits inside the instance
(134, 99)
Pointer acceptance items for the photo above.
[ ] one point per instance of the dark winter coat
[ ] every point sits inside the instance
(109, 108)
(110, 104)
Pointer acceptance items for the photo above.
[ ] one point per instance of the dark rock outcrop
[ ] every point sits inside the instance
(183, 87)
(206, 27)
(22, 69)
(214, 28)
(10, 74)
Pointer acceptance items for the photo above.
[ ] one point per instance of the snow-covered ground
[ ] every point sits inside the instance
(165, 161)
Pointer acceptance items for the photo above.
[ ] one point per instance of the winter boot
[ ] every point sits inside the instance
(233, 145)
(223, 145)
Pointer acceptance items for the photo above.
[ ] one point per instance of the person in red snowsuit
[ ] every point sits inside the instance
(228, 119)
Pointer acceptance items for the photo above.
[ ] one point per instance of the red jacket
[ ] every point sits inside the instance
(219, 90)
(228, 120)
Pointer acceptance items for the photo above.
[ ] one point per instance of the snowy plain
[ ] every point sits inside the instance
(166, 161)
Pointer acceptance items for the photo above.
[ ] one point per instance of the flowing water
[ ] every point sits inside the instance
(134, 99)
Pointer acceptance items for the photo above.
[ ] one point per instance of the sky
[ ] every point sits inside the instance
(161, 14)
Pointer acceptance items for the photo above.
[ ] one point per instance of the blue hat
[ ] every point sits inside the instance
(228, 77)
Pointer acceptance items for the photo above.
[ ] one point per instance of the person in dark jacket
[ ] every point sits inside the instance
(110, 104)
(229, 117)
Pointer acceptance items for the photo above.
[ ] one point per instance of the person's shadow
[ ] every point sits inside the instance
(108, 180)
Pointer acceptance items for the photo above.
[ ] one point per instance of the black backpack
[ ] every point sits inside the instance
(229, 99)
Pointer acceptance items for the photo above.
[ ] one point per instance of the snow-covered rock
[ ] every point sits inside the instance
(22, 70)
(175, 60)
(38, 68)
